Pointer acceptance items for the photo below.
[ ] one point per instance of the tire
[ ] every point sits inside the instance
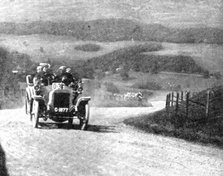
(27, 105)
(70, 121)
(35, 114)
(85, 117)
(31, 109)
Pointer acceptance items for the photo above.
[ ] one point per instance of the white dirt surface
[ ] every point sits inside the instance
(107, 148)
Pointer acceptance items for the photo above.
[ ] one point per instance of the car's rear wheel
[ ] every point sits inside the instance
(26, 105)
(35, 114)
(84, 117)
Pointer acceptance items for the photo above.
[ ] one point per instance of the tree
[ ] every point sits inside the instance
(124, 73)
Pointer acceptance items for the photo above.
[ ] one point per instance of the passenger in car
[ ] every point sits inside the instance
(48, 77)
(58, 75)
(38, 76)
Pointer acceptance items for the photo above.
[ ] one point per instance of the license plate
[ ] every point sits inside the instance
(61, 109)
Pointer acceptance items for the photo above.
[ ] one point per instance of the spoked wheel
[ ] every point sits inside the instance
(35, 114)
(30, 109)
(26, 105)
(84, 117)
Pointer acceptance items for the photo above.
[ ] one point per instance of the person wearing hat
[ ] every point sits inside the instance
(38, 76)
(67, 77)
(58, 75)
(48, 77)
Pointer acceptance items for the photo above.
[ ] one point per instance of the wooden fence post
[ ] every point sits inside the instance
(182, 96)
(172, 99)
(187, 103)
(177, 103)
(207, 104)
(167, 102)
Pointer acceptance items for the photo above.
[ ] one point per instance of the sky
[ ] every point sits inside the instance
(180, 13)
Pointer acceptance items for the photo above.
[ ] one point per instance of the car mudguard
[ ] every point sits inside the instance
(82, 101)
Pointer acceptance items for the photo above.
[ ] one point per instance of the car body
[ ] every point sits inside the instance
(57, 102)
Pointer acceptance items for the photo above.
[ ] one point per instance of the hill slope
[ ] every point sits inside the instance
(196, 127)
(115, 30)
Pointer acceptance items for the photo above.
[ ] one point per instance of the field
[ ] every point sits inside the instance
(209, 56)
(42, 47)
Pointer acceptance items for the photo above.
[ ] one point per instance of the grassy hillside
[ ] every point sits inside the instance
(9, 62)
(116, 30)
(196, 127)
(133, 58)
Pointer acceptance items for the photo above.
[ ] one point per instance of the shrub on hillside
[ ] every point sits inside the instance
(134, 58)
(111, 87)
(124, 73)
(150, 85)
(206, 74)
(217, 75)
(88, 47)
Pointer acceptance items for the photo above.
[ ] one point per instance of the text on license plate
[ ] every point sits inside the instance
(61, 109)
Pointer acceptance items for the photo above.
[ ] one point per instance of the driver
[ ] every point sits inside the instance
(67, 77)
(58, 75)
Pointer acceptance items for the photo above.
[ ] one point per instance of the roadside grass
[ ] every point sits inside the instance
(208, 132)
(196, 127)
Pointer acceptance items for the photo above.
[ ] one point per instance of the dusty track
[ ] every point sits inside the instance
(107, 148)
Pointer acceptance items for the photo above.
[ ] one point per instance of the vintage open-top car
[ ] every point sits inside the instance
(57, 102)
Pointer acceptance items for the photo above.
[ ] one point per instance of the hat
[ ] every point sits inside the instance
(62, 67)
(39, 67)
(68, 70)
(44, 65)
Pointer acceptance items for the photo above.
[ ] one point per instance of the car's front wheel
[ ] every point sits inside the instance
(84, 117)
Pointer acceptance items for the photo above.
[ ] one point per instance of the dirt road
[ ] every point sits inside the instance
(107, 148)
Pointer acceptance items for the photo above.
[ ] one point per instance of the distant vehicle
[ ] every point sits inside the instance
(57, 102)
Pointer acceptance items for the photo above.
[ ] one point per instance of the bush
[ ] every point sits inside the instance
(124, 74)
(206, 74)
(88, 47)
(147, 85)
(217, 75)
(111, 87)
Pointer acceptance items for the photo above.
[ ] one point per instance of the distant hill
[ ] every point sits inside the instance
(133, 58)
(109, 30)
